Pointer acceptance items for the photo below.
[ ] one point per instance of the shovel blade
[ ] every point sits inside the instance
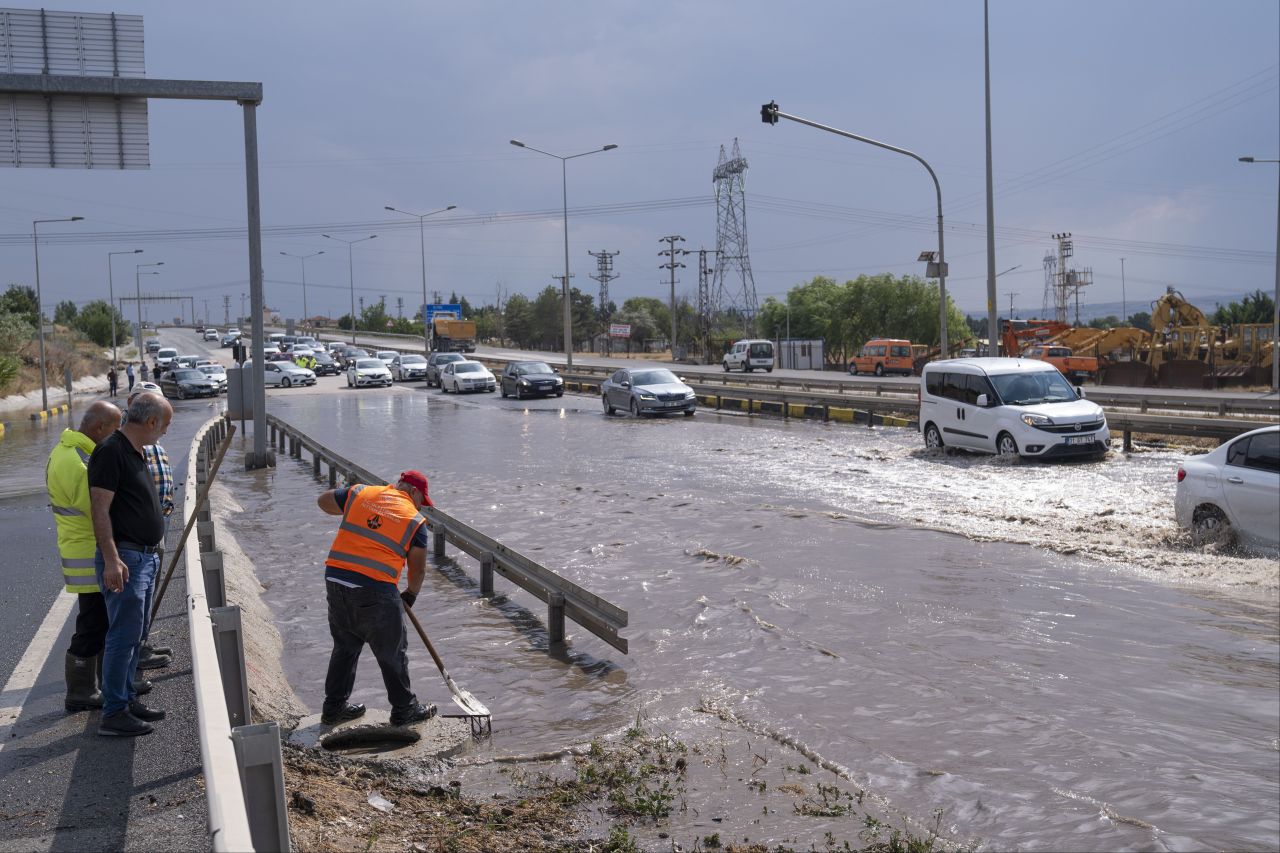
(464, 700)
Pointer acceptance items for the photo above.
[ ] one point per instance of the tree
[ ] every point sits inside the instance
(518, 318)
(65, 313)
(1140, 320)
(20, 300)
(373, 317)
(15, 333)
(1257, 307)
(95, 322)
(1108, 322)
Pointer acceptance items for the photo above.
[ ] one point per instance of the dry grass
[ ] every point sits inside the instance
(62, 349)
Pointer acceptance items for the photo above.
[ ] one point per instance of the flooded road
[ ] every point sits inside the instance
(830, 585)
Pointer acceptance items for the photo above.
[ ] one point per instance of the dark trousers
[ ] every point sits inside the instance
(91, 626)
(372, 615)
(114, 383)
(130, 376)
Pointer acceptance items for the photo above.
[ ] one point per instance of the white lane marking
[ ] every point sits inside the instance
(24, 676)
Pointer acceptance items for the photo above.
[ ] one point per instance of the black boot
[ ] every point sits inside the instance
(82, 685)
(141, 686)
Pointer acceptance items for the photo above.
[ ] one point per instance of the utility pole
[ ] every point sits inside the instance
(400, 307)
(704, 305)
(226, 310)
(1010, 294)
(1124, 304)
(242, 314)
(671, 253)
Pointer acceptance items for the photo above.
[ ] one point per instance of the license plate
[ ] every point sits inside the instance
(1080, 439)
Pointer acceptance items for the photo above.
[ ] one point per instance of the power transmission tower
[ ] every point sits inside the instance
(226, 310)
(705, 307)
(1050, 275)
(400, 307)
(1067, 282)
(604, 275)
(735, 291)
(671, 253)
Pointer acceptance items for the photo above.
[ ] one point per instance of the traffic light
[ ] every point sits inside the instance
(769, 113)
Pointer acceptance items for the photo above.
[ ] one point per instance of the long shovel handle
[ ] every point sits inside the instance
(423, 634)
(201, 495)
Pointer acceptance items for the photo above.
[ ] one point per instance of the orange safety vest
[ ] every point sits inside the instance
(378, 524)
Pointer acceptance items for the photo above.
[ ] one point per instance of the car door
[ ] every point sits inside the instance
(953, 412)
(1251, 486)
(619, 396)
(271, 373)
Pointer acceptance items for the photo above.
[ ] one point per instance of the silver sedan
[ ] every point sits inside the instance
(647, 391)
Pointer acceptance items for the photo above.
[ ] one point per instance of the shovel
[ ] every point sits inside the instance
(472, 707)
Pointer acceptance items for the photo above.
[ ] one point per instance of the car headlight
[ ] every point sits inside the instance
(559, 381)
(524, 381)
(689, 395)
(1036, 420)
(646, 396)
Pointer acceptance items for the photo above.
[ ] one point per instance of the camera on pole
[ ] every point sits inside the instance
(769, 113)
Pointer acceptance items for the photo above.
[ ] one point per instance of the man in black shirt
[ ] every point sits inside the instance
(128, 525)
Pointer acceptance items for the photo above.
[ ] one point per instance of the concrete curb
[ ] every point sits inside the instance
(45, 414)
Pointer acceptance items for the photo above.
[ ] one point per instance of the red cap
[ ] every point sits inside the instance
(418, 480)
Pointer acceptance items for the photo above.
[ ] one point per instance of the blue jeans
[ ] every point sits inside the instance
(127, 613)
(373, 615)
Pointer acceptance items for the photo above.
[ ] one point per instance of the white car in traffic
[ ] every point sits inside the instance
(1231, 495)
(459, 376)
(367, 371)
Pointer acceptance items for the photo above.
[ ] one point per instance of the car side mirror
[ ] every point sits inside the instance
(1079, 392)
(982, 401)
(625, 384)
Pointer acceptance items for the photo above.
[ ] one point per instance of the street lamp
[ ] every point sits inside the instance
(137, 284)
(1275, 314)
(351, 280)
(303, 258)
(111, 289)
(422, 245)
(769, 114)
(35, 242)
(564, 189)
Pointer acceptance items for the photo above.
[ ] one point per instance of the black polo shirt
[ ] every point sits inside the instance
(117, 466)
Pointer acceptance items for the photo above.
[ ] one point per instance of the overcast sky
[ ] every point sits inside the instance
(1119, 121)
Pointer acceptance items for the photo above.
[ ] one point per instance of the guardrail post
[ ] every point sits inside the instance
(486, 574)
(262, 776)
(826, 411)
(555, 618)
(228, 641)
(1128, 440)
(215, 585)
(204, 535)
(437, 541)
(315, 464)
(333, 476)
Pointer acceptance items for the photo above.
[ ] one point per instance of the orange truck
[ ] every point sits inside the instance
(1079, 368)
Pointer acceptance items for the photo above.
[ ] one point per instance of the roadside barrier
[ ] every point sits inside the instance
(562, 597)
(45, 414)
(243, 769)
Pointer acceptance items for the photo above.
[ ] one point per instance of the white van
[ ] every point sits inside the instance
(749, 356)
(1009, 406)
(164, 356)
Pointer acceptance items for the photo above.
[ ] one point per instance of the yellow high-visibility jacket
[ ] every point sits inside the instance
(66, 475)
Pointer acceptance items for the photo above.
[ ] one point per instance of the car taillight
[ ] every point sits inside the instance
(1182, 475)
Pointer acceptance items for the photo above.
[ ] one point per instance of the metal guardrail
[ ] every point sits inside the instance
(243, 770)
(562, 597)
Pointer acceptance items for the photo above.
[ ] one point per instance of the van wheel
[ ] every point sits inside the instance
(933, 438)
(1005, 445)
(879, 370)
(768, 370)
(853, 369)
(726, 366)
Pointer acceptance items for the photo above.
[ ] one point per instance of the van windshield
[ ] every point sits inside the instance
(1028, 389)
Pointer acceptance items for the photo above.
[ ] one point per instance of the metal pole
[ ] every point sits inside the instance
(422, 247)
(260, 458)
(993, 320)
(1124, 304)
(568, 316)
(351, 282)
(771, 114)
(44, 392)
(115, 357)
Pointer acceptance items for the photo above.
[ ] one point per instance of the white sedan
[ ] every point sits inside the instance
(459, 376)
(285, 374)
(1231, 495)
(367, 371)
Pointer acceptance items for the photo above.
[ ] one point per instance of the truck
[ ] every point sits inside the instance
(449, 334)
(1077, 367)
(1037, 341)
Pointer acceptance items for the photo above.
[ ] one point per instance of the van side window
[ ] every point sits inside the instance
(933, 383)
(901, 351)
(976, 386)
(954, 387)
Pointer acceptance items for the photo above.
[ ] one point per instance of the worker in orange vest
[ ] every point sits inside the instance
(382, 530)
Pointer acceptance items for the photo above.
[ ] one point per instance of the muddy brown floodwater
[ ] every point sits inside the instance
(1032, 649)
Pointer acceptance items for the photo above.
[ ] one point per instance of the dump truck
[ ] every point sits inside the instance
(449, 334)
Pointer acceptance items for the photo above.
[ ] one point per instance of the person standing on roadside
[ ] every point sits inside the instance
(143, 370)
(67, 480)
(113, 381)
(128, 525)
(128, 372)
(382, 530)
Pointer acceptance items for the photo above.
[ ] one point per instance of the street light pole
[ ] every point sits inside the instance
(35, 242)
(1275, 313)
(303, 258)
(351, 280)
(1124, 303)
(422, 247)
(770, 114)
(564, 191)
(111, 290)
(137, 285)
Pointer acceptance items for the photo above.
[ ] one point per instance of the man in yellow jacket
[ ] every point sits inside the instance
(67, 479)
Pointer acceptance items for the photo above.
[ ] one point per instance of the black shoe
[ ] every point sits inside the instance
(156, 650)
(141, 686)
(149, 659)
(342, 715)
(415, 713)
(123, 724)
(142, 712)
